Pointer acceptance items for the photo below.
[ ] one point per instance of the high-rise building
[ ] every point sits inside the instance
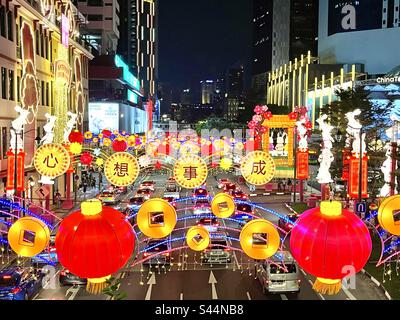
(186, 96)
(102, 31)
(362, 34)
(207, 91)
(234, 92)
(294, 30)
(139, 41)
(262, 44)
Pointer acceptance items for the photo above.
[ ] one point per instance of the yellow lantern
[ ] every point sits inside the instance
(258, 168)
(121, 169)
(107, 142)
(88, 135)
(226, 163)
(156, 218)
(75, 148)
(259, 239)
(95, 140)
(190, 171)
(99, 162)
(52, 160)
(132, 141)
(28, 236)
(198, 238)
(223, 205)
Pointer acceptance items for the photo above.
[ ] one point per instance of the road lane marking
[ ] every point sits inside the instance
(123, 275)
(348, 293)
(35, 297)
(74, 291)
(283, 297)
(181, 296)
(151, 282)
(248, 295)
(213, 281)
(48, 282)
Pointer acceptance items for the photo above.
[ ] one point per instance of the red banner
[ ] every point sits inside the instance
(346, 164)
(302, 165)
(11, 171)
(354, 181)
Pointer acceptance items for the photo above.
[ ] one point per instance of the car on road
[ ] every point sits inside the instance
(107, 197)
(147, 185)
(49, 254)
(243, 212)
(230, 187)
(238, 194)
(121, 190)
(160, 249)
(66, 278)
(200, 193)
(144, 193)
(171, 200)
(201, 206)
(218, 251)
(288, 225)
(222, 183)
(280, 274)
(209, 223)
(135, 203)
(19, 283)
(172, 190)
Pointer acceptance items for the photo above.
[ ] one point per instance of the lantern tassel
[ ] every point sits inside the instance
(96, 286)
(327, 286)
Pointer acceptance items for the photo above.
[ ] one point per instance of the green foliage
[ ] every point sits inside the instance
(112, 289)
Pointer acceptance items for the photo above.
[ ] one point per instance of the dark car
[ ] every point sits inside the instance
(200, 193)
(244, 212)
(20, 283)
(159, 251)
(135, 203)
(211, 224)
(69, 279)
(286, 225)
(238, 194)
(229, 187)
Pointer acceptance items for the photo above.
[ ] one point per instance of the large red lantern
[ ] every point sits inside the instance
(331, 244)
(94, 243)
(119, 145)
(106, 133)
(76, 136)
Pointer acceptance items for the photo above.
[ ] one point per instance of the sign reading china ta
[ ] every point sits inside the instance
(395, 79)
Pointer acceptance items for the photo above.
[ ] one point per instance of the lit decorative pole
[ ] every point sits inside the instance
(326, 158)
(358, 173)
(303, 127)
(390, 164)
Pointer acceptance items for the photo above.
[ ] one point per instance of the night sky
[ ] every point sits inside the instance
(198, 39)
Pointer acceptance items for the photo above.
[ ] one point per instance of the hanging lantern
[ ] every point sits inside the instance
(326, 241)
(131, 141)
(94, 243)
(119, 145)
(107, 142)
(226, 163)
(292, 116)
(75, 148)
(106, 133)
(11, 174)
(88, 135)
(75, 136)
(86, 158)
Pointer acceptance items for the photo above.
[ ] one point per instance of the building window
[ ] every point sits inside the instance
(37, 36)
(11, 85)
(10, 21)
(3, 83)
(18, 86)
(95, 3)
(43, 92)
(4, 141)
(47, 95)
(3, 21)
(95, 17)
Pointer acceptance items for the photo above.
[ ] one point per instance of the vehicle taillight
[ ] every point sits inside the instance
(6, 277)
(227, 249)
(16, 290)
(146, 254)
(166, 254)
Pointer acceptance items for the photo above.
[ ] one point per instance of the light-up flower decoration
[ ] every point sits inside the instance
(75, 148)
(144, 161)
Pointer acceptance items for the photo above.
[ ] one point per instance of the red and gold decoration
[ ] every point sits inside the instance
(223, 206)
(302, 165)
(51, 160)
(94, 243)
(258, 168)
(76, 136)
(326, 241)
(156, 218)
(86, 158)
(119, 145)
(190, 171)
(121, 169)
(198, 238)
(259, 239)
(12, 175)
(386, 212)
(28, 236)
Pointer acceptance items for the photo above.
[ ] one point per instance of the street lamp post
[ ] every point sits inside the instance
(360, 168)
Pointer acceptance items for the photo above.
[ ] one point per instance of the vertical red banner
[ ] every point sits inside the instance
(302, 165)
(346, 164)
(11, 171)
(354, 181)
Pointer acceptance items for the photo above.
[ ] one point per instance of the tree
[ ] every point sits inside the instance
(112, 289)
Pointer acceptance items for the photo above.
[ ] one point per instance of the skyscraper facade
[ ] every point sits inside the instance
(235, 87)
(207, 91)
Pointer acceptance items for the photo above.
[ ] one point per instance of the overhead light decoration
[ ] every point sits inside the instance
(190, 171)
(121, 169)
(258, 168)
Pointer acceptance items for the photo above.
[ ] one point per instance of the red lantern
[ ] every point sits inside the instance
(354, 181)
(75, 136)
(331, 244)
(86, 158)
(94, 243)
(292, 116)
(11, 170)
(119, 145)
(106, 133)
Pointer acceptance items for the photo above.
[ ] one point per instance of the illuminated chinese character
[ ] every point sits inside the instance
(190, 173)
(259, 167)
(121, 169)
(50, 161)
